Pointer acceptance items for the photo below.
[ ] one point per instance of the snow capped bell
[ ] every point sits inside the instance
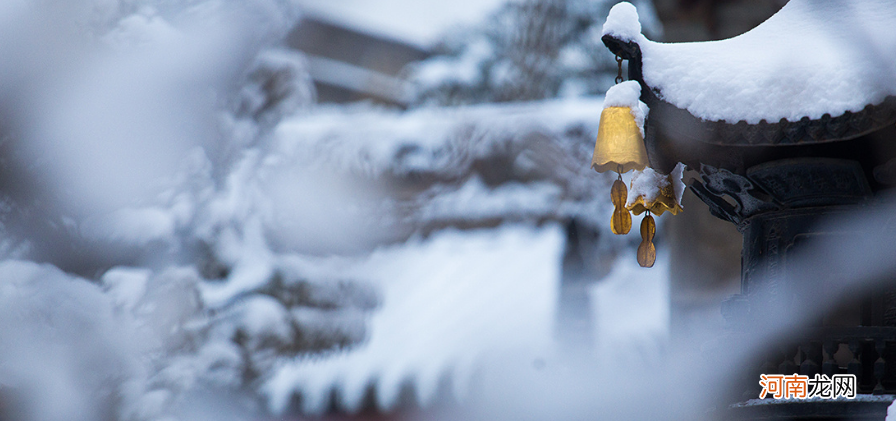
(620, 137)
(655, 192)
(665, 201)
(620, 144)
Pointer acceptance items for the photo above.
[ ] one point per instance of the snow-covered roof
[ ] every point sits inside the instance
(464, 306)
(812, 58)
(447, 301)
(379, 141)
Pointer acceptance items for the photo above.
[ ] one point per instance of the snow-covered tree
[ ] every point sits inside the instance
(168, 189)
(137, 207)
(527, 50)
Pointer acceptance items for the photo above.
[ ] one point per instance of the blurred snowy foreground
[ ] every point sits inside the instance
(182, 227)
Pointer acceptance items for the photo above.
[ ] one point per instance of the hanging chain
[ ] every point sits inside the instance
(619, 78)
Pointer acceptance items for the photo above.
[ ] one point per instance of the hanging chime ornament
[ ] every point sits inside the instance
(620, 143)
(620, 147)
(654, 193)
(621, 223)
(647, 250)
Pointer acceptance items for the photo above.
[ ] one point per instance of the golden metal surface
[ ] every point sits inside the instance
(619, 142)
(622, 219)
(663, 203)
(647, 250)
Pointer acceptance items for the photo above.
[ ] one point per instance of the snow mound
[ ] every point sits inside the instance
(622, 22)
(62, 342)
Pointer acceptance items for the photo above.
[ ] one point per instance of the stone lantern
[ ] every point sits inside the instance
(784, 127)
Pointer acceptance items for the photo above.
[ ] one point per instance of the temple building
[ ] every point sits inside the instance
(348, 64)
(788, 134)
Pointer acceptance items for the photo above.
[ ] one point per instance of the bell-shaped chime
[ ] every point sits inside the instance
(655, 193)
(619, 147)
(665, 199)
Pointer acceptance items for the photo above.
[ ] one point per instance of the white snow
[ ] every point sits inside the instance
(287, 177)
(378, 141)
(809, 59)
(631, 309)
(126, 286)
(677, 176)
(122, 99)
(131, 226)
(463, 69)
(162, 126)
(448, 302)
(474, 200)
(418, 22)
(627, 94)
(649, 183)
(623, 23)
(61, 338)
(262, 315)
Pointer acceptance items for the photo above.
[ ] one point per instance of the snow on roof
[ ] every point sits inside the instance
(377, 142)
(812, 58)
(447, 302)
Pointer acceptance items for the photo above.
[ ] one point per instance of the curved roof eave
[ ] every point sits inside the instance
(839, 95)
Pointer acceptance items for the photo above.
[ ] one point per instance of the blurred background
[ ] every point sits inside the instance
(346, 209)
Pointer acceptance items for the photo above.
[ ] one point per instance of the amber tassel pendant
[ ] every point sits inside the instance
(647, 251)
(622, 219)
